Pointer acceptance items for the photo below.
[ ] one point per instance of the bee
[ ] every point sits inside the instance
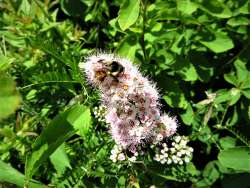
(114, 68)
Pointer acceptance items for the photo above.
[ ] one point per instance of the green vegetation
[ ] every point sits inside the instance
(197, 52)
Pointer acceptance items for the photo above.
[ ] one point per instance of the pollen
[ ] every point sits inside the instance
(125, 87)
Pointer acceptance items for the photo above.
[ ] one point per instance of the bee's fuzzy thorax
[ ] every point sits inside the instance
(132, 101)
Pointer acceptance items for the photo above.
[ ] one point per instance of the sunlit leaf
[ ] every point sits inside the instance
(215, 8)
(11, 175)
(128, 13)
(236, 158)
(9, 97)
(218, 43)
(61, 128)
(60, 160)
(186, 6)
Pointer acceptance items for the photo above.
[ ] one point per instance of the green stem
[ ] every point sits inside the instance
(144, 17)
(31, 85)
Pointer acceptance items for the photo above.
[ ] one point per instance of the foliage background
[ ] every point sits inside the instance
(197, 51)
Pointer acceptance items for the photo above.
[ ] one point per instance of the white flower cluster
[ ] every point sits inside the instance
(117, 154)
(178, 153)
(100, 113)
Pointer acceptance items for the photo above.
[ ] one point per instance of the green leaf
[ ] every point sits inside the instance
(60, 160)
(235, 94)
(237, 21)
(13, 39)
(188, 116)
(11, 175)
(5, 62)
(230, 78)
(186, 6)
(82, 121)
(222, 95)
(218, 43)
(246, 93)
(246, 83)
(210, 173)
(128, 48)
(128, 13)
(241, 70)
(227, 142)
(237, 158)
(174, 96)
(185, 69)
(215, 8)
(75, 8)
(25, 7)
(9, 97)
(61, 128)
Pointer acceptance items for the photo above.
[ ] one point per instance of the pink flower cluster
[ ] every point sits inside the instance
(131, 100)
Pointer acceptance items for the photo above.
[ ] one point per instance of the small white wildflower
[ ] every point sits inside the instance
(165, 149)
(183, 143)
(188, 153)
(179, 154)
(191, 149)
(187, 159)
(177, 139)
(172, 150)
(169, 161)
(164, 145)
(174, 157)
(136, 154)
(165, 155)
(159, 137)
(121, 157)
(132, 159)
(181, 162)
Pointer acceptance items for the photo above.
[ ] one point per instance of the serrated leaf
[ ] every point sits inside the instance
(237, 158)
(9, 97)
(218, 43)
(11, 175)
(61, 128)
(128, 13)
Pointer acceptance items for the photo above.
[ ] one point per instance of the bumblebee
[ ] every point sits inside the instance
(114, 68)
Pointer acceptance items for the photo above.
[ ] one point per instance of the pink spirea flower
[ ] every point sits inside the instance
(132, 101)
